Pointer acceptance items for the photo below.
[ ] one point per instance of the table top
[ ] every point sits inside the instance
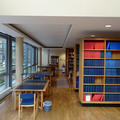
(36, 81)
(32, 85)
(47, 66)
(46, 73)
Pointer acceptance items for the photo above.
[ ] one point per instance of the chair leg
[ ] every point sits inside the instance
(34, 113)
(19, 109)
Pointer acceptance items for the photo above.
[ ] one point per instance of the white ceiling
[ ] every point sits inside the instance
(6, 30)
(52, 31)
(50, 35)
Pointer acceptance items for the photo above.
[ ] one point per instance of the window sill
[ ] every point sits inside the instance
(4, 93)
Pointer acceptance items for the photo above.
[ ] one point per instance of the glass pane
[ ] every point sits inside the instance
(13, 80)
(13, 55)
(3, 59)
(30, 59)
(13, 63)
(3, 83)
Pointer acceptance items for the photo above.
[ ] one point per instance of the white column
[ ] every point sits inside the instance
(19, 59)
(39, 56)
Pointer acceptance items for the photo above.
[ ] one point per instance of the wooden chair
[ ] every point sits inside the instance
(27, 100)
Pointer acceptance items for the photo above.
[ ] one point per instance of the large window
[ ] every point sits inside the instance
(30, 59)
(8, 61)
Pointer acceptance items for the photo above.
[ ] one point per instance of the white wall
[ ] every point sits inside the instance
(59, 52)
(44, 56)
(60, 7)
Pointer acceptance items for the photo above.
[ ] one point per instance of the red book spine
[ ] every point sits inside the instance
(99, 45)
(89, 45)
(84, 97)
(92, 54)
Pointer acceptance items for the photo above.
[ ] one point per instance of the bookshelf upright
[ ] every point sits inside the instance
(76, 67)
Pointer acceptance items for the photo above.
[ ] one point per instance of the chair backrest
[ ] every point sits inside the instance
(27, 99)
(40, 76)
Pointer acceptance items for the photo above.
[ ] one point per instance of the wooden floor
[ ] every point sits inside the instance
(66, 106)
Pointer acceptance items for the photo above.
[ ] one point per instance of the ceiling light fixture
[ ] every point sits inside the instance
(108, 26)
(92, 35)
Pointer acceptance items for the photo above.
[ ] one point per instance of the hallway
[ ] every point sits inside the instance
(61, 81)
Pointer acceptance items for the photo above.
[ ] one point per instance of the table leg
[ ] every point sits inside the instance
(15, 100)
(38, 97)
(50, 81)
(42, 100)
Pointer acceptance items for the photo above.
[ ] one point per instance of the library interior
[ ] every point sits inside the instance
(59, 62)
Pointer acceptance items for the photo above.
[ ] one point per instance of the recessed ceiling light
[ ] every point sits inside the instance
(108, 26)
(92, 35)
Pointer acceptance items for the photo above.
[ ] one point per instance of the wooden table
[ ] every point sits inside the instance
(48, 68)
(48, 74)
(32, 86)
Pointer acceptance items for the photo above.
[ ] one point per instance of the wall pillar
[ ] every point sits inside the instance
(40, 57)
(19, 59)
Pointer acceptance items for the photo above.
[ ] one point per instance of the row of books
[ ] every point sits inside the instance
(112, 88)
(97, 54)
(113, 45)
(93, 62)
(112, 80)
(93, 71)
(112, 71)
(93, 54)
(77, 67)
(108, 54)
(93, 97)
(112, 97)
(77, 61)
(93, 45)
(93, 88)
(77, 82)
(89, 79)
(112, 63)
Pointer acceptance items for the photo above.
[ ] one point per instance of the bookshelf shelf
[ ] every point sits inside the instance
(93, 84)
(93, 49)
(94, 75)
(98, 102)
(113, 50)
(94, 58)
(112, 58)
(99, 71)
(93, 67)
(94, 92)
(112, 75)
(76, 67)
(112, 67)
